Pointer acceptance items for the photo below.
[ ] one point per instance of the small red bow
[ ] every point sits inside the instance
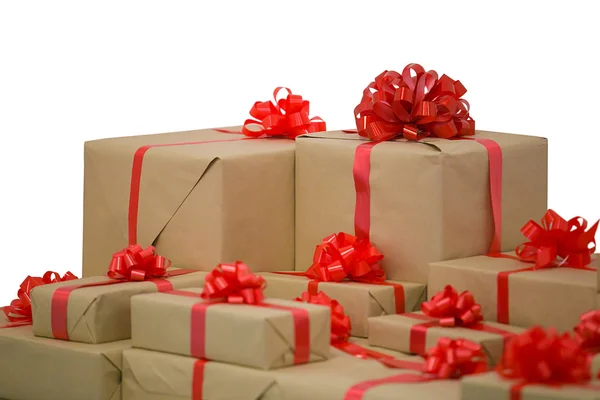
(556, 237)
(19, 311)
(540, 356)
(136, 264)
(413, 107)
(288, 117)
(451, 359)
(233, 283)
(340, 322)
(344, 256)
(588, 330)
(453, 309)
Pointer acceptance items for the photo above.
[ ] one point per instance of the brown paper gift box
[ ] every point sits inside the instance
(394, 332)
(360, 300)
(97, 314)
(550, 297)
(490, 386)
(151, 376)
(430, 200)
(198, 204)
(33, 368)
(243, 334)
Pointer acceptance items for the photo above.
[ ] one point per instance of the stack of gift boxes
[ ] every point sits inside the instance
(375, 264)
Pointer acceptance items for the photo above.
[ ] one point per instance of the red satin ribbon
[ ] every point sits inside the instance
(413, 107)
(453, 309)
(286, 117)
(233, 283)
(137, 264)
(19, 312)
(340, 322)
(198, 379)
(588, 330)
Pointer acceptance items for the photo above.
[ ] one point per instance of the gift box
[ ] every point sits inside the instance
(200, 197)
(419, 202)
(416, 333)
(550, 297)
(95, 309)
(272, 334)
(491, 386)
(35, 368)
(360, 300)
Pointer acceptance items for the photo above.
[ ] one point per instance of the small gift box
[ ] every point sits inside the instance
(97, 309)
(229, 321)
(35, 368)
(447, 314)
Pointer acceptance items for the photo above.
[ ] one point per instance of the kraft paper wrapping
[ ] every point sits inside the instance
(152, 376)
(550, 297)
(490, 386)
(360, 300)
(363, 342)
(242, 334)
(97, 314)
(33, 368)
(429, 201)
(394, 332)
(199, 204)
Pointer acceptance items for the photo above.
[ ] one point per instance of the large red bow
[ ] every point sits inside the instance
(556, 237)
(588, 330)
(136, 264)
(453, 309)
(413, 107)
(455, 358)
(288, 117)
(344, 256)
(19, 311)
(340, 322)
(233, 283)
(539, 356)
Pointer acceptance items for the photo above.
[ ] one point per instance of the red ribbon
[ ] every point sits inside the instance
(137, 264)
(588, 330)
(340, 322)
(233, 283)
(413, 107)
(19, 312)
(287, 117)
(453, 309)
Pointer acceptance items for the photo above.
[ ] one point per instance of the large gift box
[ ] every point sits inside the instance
(418, 201)
(272, 334)
(416, 333)
(360, 300)
(95, 309)
(33, 368)
(200, 197)
(551, 297)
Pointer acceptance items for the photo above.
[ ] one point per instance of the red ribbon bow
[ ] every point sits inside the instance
(288, 117)
(453, 309)
(588, 330)
(540, 356)
(340, 322)
(413, 107)
(455, 358)
(19, 311)
(556, 237)
(344, 256)
(136, 264)
(233, 283)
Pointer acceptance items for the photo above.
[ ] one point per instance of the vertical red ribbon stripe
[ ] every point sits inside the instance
(198, 379)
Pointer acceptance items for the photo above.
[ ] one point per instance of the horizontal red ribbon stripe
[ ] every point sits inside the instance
(358, 391)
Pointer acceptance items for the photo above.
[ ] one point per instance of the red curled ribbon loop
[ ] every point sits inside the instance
(453, 309)
(588, 330)
(340, 322)
(287, 117)
(137, 264)
(540, 356)
(233, 283)
(451, 359)
(19, 311)
(413, 105)
(340, 256)
(556, 237)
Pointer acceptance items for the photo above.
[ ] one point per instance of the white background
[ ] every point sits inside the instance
(76, 71)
